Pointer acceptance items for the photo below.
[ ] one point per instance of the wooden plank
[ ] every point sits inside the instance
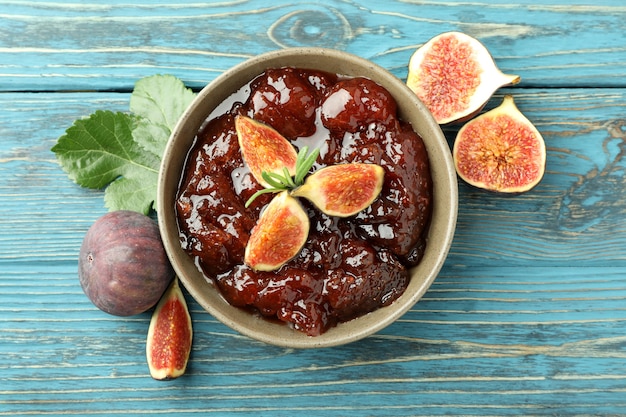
(526, 317)
(47, 46)
(61, 354)
(574, 215)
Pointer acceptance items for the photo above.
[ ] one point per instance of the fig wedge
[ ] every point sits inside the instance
(169, 336)
(343, 190)
(264, 149)
(500, 150)
(454, 75)
(279, 235)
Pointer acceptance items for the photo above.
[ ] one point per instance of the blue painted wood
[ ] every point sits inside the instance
(103, 45)
(526, 318)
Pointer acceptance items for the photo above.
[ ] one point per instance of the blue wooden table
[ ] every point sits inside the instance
(527, 317)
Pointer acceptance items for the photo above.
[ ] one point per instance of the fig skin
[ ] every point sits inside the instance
(170, 336)
(500, 151)
(122, 266)
(454, 75)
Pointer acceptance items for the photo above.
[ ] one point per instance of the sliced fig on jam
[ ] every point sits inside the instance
(343, 190)
(169, 336)
(279, 235)
(500, 150)
(454, 75)
(264, 149)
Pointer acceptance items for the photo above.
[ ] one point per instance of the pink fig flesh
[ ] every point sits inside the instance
(343, 190)
(264, 149)
(169, 336)
(454, 75)
(500, 150)
(279, 235)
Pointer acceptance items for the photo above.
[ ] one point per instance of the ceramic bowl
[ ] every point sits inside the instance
(410, 108)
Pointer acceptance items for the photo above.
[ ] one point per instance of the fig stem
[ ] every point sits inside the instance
(278, 182)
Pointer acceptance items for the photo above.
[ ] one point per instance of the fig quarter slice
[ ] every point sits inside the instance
(343, 190)
(279, 235)
(264, 149)
(500, 150)
(454, 75)
(169, 336)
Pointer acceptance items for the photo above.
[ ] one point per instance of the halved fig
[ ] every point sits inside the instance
(169, 336)
(279, 235)
(343, 190)
(500, 150)
(264, 149)
(454, 75)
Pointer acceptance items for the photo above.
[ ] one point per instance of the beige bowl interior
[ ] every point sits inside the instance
(411, 109)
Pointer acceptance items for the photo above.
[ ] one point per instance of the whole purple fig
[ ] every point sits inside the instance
(122, 267)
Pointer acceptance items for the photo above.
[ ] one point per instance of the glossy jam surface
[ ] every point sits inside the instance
(349, 266)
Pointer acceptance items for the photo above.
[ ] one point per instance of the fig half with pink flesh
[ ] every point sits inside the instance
(169, 336)
(454, 75)
(264, 149)
(279, 235)
(343, 190)
(500, 150)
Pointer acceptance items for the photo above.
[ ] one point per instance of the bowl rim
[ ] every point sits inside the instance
(443, 217)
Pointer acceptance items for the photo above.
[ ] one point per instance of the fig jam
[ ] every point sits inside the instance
(349, 266)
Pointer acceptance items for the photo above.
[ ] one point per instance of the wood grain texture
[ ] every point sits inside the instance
(527, 317)
(73, 45)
